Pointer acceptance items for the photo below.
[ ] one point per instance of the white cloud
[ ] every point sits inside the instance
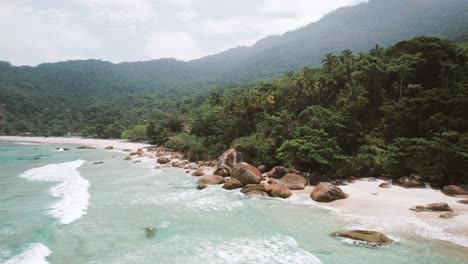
(31, 36)
(179, 45)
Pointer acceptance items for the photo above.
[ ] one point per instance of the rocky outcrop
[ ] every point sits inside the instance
(198, 173)
(278, 172)
(385, 185)
(278, 190)
(327, 192)
(452, 190)
(412, 181)
(371, 238)
(163, 160)
(229, 158)
(231, 184)
(254, 189)
(433, 207)
(262, 168)
(223, 171)
(293, 181)
(246, 173)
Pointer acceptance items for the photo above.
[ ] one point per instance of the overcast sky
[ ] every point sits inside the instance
(37, 31)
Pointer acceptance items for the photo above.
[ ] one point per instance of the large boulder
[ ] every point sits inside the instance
(452, 190)
(246, 173)
(254, 189)
(231, 184)
(412, 181)
(433, 207)
(261, 168)
(326, 192)
(293, 181)
(278, 190)
(198, 173)
(163, 160)
(211, 179)
(229, 158)
(371, 238)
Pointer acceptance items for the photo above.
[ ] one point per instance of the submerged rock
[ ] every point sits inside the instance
(254, 189)
(293, 181)
(433, 207)
(211, 179)
(98, 162)
(371, 238)
(110, 147)
(198, 173)
(452, 190)
(231, 184)
(128, 158)
(327, 192)
(85, 147)
(246, 173)
(150, 231)
(447, 215)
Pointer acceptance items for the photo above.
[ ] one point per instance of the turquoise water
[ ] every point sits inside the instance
(57, 207)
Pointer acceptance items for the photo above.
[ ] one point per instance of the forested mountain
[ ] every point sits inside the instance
(103, 98)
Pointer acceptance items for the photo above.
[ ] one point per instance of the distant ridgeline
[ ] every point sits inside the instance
(100, 98)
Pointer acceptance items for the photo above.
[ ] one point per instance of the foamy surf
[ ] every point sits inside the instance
(72, 189)
(35, 253)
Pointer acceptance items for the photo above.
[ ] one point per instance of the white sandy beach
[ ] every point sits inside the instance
(96, 143)
(388, 210)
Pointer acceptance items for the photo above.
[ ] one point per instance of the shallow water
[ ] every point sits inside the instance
(99, 212)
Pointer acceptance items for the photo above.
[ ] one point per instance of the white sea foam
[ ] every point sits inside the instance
(72, 189)
(35, 253)
(277, 250)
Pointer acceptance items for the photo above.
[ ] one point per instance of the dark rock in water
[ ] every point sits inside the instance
(198, 173)
(327, 192)
(246, 173)
(98, 162)
(85, 147)
(412, 181)
(150, 231)
(137, 161)
(433, 207)
(385, 185)
(452, 190)
(202, 186)
(293, 181)
(231, 184)
(128, 158)
(463, 201)
(371, 238)
(110, 147)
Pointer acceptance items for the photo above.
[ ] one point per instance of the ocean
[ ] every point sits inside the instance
(58, 207)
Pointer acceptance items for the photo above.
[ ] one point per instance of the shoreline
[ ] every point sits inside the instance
(368, 206)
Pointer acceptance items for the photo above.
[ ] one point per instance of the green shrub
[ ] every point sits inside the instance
(190, 145)
(255, 149)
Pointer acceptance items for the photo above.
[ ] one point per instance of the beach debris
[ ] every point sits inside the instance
(294, 181)
(246, 173)
(198, 173)
(326, 192)
(433, 207)
(385, 185)
(150, 231)
(452, 190)
(231, 184)
(364, 237)
(109, 147)
(98, 162)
